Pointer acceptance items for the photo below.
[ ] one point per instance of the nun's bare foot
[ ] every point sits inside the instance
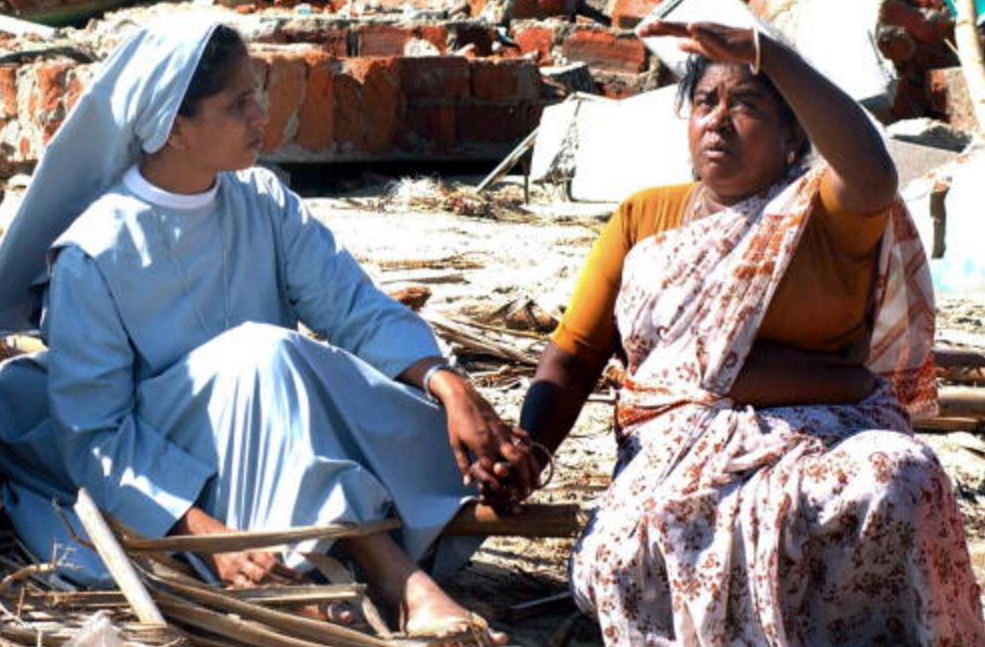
(420, 607)
(428, 612)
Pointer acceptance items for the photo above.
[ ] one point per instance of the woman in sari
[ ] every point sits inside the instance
(176, 388)
(776, 325)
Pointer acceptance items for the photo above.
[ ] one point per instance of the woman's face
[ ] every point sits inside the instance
(739, 143)
(226, 130)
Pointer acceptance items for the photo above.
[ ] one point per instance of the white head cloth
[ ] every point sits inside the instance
(129, 107)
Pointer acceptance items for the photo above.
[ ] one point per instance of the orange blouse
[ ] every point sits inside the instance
(821, 304)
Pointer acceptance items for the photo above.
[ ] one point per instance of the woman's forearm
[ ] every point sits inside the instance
(866, 178)
(556, 396)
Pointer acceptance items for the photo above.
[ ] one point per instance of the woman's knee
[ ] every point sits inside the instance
(896, 472)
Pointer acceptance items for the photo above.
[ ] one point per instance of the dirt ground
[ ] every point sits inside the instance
(479, 263)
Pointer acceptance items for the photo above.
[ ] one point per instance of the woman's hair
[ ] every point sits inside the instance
(694, 71)
(224, 49)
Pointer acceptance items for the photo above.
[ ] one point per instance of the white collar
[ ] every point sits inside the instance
(138, 184)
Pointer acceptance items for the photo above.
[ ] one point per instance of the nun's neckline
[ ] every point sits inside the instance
(134, 181)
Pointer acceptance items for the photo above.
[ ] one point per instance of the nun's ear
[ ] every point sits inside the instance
(176, 138)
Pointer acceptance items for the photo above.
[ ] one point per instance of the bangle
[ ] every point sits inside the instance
(755, 65)
(428, 374)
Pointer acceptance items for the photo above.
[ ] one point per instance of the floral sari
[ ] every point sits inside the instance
(796, 525)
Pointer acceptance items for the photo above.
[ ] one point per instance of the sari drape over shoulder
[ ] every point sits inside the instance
(796, 525)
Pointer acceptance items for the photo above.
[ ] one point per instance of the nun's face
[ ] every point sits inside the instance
(226, 131)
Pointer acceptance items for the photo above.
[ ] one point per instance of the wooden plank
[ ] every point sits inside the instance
(227, 542)
(535, 520)
(962, 402)
(116, 561)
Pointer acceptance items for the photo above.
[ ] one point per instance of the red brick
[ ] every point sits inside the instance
(537, 39)
(73, 90)
(430, 128)
(495, 124)
(626, 14)
(51, 84)
(382, 40)
(8, 90)
(505, 80)
(435, 77)
(606, 50)
(541, 9)
(285, 87)
(316, 117)
(368, 108)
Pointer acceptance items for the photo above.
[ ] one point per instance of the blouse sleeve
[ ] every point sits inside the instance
(333, 296)
(853, 234)
(132, 470)
(588, 328)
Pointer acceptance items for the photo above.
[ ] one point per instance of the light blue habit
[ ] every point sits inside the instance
(175, 375)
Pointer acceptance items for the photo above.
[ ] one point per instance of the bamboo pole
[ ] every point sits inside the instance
(962, 402)
(228, 542)
(535, 520)
(970, 54)
(117, 561)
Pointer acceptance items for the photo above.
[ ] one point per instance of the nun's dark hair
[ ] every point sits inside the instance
(224, 49)
(694, 71)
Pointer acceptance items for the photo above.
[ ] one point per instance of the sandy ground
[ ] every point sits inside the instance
(538, 257)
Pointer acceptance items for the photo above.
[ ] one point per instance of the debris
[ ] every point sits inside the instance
(116, 560)
(970, 53)
(560, 637)
(930, 132)
(414, 296)
(610, 149)
(97, 631)
(855, 62)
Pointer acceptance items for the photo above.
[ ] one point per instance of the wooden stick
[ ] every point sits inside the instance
(504, 167)
(116, 561)
(317, 631)
(337, 573)
(962, 402)
(949, 424)
(536, 520)
(970, 53)
(229, 626)
(227, 542)
(300, 594)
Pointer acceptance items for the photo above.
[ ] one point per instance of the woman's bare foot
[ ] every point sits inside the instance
(422, 607)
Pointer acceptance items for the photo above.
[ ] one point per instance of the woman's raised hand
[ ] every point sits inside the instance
(713, 41)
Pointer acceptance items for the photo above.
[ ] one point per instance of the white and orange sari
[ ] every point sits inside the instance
(800, 525)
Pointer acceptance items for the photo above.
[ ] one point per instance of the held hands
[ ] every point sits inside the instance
(719, 43)
(498, 458)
